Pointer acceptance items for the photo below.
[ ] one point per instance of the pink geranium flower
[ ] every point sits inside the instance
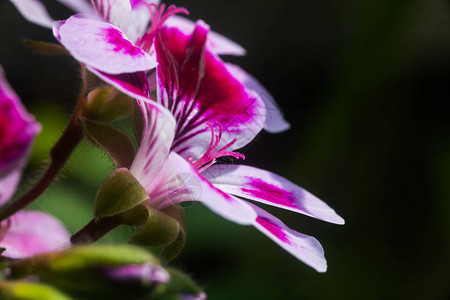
(208, 114)
(210, 110)
(17, 132)
(169, 179)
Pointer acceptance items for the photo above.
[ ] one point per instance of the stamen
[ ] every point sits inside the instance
(158, 17)
(211, 154)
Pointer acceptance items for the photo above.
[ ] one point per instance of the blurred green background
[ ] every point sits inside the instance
(364, 85)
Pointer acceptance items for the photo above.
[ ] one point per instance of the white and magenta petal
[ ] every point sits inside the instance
(117, 12)
(197, 88)
(303, 247)
(191, 186)
(269, 188)
(28, 233)
(34, 11)
(216, 43)
(17, 132)
(134, 84)
(157, 138)
(101, 45)
(275, 121)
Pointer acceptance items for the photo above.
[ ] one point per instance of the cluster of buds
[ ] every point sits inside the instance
(188, 108)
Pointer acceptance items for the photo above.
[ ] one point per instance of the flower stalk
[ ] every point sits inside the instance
(59, 154)
(94, 230)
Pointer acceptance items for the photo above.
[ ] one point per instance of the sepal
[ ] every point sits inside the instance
(120, 192)
(115, 142)
(138, 122)
(173, 250)
(159, 229)
(93, 82)
(107, 105)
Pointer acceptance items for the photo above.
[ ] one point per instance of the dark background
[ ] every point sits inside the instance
(364, 85)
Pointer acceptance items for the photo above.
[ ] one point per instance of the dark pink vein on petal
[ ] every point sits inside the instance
(274, 229)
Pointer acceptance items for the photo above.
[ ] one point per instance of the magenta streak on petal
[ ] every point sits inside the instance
(199, 87)
(115, 37)
(274, 229)
(269, 192)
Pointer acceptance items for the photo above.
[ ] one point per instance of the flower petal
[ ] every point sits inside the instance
(193, 187)
(101, 45)
(196, 87)
(269, 188)
(274, 120)
(134, 84)
(216, 43)
(9, 179)
(117, 12)
(186, 296)
(139, 274)
(34, 11)
(17, 132)
(32, 232)
(303, 247)
(157, 138)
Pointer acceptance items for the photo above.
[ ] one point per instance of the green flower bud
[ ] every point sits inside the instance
(96, 272)
(23, 290)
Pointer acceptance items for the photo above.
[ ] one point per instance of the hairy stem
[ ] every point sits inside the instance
(59, 154)
(94, 230)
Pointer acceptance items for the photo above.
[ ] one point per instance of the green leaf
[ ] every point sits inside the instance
(118, 193)
(115, 142)
(159, 230)
(23, 290)
(45, 48)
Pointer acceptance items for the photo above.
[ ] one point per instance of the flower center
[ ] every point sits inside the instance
(158, 17)
(211, 154)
